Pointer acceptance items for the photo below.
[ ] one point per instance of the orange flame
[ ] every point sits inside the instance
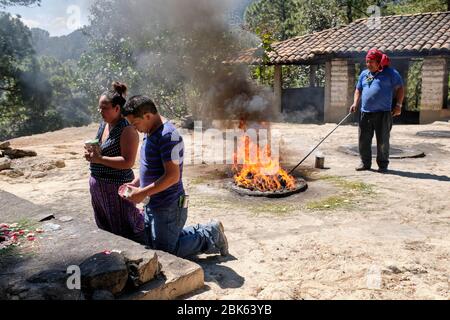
(261, 174)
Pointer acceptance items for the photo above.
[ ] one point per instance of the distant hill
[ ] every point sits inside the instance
(63, 48)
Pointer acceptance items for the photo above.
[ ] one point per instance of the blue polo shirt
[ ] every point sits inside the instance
(378, 89)
(163, 145)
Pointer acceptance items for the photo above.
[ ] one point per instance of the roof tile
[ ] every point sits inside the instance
(424, 32)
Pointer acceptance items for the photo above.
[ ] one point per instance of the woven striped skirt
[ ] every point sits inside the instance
(114, 214)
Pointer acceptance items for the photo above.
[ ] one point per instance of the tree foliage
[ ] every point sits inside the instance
(24, 91)
(170, 56)
(30, 93)
(123, 49)
(268, 18)
(63, 48)
(279, 18)
(9, 3)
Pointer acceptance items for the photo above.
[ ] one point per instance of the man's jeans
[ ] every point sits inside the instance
(381, 124)
(164, 231)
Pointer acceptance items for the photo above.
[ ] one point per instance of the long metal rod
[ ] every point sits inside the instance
(343, 120)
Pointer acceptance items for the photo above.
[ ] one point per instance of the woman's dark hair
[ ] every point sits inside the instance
(117, 94)
(137, 106)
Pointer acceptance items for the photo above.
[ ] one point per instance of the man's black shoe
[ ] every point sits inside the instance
(362, 167)
(383, 170)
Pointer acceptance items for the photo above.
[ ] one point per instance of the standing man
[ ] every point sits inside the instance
(376, 88)
(161, 169)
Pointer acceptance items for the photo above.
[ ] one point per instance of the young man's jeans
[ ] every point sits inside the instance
(164, 231)
(381, 124)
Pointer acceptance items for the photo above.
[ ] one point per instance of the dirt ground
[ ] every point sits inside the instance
(351, 235)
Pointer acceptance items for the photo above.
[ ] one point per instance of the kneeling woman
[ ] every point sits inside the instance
(111, 165)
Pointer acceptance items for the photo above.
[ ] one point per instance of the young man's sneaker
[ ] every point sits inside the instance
(362, 167)
(221, 241)
(383, 170)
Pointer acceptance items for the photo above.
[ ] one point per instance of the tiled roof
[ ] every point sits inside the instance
(416, 34)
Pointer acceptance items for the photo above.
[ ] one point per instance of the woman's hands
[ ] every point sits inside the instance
(93, 154)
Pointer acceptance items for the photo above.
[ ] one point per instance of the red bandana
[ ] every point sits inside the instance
(380, 57)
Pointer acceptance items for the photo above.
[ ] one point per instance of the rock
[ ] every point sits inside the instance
(5, 164)
(47, 166)
(394, 269)
(50, 227)
(65, 219)
(60, 164)
(37, 175)
(17, 153)
(44, 166)
(49, 276)
(12, 173)
(102, 295)
(178, 277)
(104, 272)
(49, 285)
(53, 291)
(4, 145)
(142, 265)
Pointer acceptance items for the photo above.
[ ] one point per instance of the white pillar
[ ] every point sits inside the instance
(434, 89)
(339, 89)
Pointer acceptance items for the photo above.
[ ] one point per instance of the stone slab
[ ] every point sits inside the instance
(73, 243)
(178, 277)
(434, 133)
(396, 152)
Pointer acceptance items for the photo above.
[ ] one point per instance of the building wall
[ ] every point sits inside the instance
(339, 89)
(434, 89)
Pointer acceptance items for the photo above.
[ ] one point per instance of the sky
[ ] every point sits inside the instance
(58, 17)
(61, 17)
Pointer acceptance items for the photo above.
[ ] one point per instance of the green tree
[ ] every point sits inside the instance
(132, 51)
(67, 99)
(416, 6)
(279, 18)
(173, 52)
(10, 3)
(25, 93)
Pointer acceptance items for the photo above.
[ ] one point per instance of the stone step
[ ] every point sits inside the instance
(107, 263)
(178, 277)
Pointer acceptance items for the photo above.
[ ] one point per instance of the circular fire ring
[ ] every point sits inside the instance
(301, 187)
(396, 152)
(434, 133)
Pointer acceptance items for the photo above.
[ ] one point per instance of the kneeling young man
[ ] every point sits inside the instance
(160, 178)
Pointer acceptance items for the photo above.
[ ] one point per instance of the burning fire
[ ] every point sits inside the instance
(256, 170)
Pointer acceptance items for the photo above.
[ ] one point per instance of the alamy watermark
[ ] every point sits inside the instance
(74, 17)
(73, 281)
(374, 21)
(256, 145)
(373, 277)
